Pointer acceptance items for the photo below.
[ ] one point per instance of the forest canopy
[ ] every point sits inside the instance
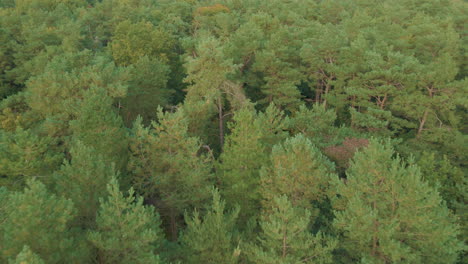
(233, 131)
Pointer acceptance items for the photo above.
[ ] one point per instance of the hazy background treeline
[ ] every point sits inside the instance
(233, 131)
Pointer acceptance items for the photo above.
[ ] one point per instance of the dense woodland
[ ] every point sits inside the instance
(233, 131)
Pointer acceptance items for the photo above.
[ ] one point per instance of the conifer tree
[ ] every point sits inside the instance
(127, 231)
(278, 63)
(298, 170)
(84, 180)
(132, 41)
(211, 238)
(99, 126)
(240, 163)
(246, 151)
(286, 238)
(275, 125)
(147, 88)
(386, 213)
(23, 154)
(168, 167)
(57, 94)
(26, 256)
(208, 74)
(40, 219)
(316, 123)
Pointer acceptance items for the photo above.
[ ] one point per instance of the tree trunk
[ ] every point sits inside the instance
(327, 88)
(421, 124)
(221, 123)
(284, 243)
(173, 225)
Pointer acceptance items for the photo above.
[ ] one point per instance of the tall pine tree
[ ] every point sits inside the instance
(40, 219)
(84, 180)
(386, 213)
(286, 237)
(127, 231)
(298, 170)
(211, 238)
(168, 167)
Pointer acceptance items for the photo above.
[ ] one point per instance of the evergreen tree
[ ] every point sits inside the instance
(386, 213)
(321, 54)
(275, 125)
(57, 94)
(132, 41)
(127, 231)
(168, 167)
(246, 151)
(99, 126)
(240, 163)
(24, 154)
(316, 123)
(286, 238)
(40, 219)
(298, 170)
(26, 256)
(147, 88)
(211, 238)
(83, 180)
(208, 72)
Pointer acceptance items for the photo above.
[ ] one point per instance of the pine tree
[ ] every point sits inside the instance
(316, 123)
(168, 167)
(211, 238)
(240, 163)
(286, 238)
(278, 62)
(207, 95)
(40, 219)
(147, 88)
(99, 126)
(83, 180)
(39, 30)
(386, 213)
(246, 151)
(26, 256)
(132, 41)
(57, 94)
(24, 154)
(321, 54)
(298, 170)
(127, 231)
(275, 125)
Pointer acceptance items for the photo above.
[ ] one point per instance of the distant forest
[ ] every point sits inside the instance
(233, 131)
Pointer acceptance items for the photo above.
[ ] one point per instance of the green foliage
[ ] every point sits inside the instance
(131, 41)
(15, 113)
(211, 238)
(147, 88)
(57, 93)
(39, 29)
(167, 165)
(274, 124)
(210, 89)
(99, 126)
(39, 219)
(26, 256)
(316, 123)
(24, 154)
(285, 237)
(240, 163)
(386, 213)
(85, 82)
(83, 180)
(299, 171)
(127, 231)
